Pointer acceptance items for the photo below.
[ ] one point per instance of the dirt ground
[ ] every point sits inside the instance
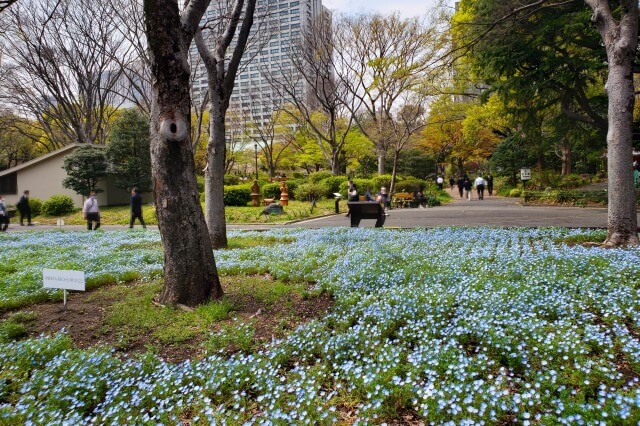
(84, 321)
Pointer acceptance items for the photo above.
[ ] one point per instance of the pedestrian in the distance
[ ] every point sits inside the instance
(460, 184)
(452, 182)
(440, 182)
(479, 183)
(383, 197)
(467, 187)
(91, 212)
(24, 208)
(4, 215)
(136, 208)
(490, 184)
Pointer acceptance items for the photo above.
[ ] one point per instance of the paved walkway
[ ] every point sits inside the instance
(492, 211)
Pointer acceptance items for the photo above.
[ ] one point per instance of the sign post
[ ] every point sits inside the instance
(525, 175)
(65, 280)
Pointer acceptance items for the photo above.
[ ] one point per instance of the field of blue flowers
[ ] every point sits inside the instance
(458, 326)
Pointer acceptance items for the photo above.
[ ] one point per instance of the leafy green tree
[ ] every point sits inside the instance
(85, 167)
(128, 151)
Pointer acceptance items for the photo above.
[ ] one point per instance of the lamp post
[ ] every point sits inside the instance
(255, 147)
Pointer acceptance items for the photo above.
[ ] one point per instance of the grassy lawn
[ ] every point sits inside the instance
(296, 210)
(451, 325)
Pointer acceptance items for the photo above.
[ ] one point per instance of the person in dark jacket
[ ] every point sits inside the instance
(24, 208)
(460, 184)
(136, 208)
(490, 184)
(467, 187)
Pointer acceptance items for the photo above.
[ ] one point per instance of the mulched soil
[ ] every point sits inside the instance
(84, 321)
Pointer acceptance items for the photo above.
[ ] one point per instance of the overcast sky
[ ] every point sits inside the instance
(405, 7)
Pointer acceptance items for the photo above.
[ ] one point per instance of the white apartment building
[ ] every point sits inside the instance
(279, 26)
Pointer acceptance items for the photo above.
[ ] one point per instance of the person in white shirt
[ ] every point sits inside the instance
(440, 182)
(91, 211)
(479, 183)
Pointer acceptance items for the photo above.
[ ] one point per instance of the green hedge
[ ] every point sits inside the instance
(58, 205)
(237, 195)
(36, 206)
(311, 191)
(332, 184)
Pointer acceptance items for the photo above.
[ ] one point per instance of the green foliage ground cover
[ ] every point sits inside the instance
(445, 325)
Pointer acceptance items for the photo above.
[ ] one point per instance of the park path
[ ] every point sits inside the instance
(492, 211)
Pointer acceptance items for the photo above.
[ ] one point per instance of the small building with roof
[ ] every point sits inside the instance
(43, 178)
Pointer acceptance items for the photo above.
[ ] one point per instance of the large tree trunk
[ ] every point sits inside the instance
(622, 226)
(190, 275)
(620, 39)
(214, 178)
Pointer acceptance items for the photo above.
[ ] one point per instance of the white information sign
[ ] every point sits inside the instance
(67, 280)
(525, 174)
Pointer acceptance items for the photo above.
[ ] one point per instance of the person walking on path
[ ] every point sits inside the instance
(452, 182)
(490, 184)
(460, 184)
(24, 208)
(479, 184)
(440, 182)
(4, 215)
(136, 208)
(467, 187)
(91, 211)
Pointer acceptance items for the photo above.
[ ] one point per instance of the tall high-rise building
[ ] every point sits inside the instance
(278, 33)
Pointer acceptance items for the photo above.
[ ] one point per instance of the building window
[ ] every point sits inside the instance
(9, 184)
(275, 50)
(284, 12)
(295, 18)
(295, 10)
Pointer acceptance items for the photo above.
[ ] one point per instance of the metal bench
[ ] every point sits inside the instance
(359, 210)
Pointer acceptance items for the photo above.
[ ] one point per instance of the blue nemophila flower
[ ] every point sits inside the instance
(453, 326)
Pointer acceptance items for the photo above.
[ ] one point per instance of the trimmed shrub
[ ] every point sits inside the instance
(318, 176)
(271, 190)
(379, 181)
(58, 205)
(231, 180)
(409, 184)
(237, 195)
(311, 191)
(333, 184)
(36, 206)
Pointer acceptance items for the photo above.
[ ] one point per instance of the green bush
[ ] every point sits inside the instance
(311, 191)
(237, 195)
(318, 176)
(409, 184)
(431, 200)
(58, 205)
(332, 184)
(271, 190)
(575, 181)
(36, 206)
(231, 180)
(380, 181)
(515, 192)
(361, 184)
